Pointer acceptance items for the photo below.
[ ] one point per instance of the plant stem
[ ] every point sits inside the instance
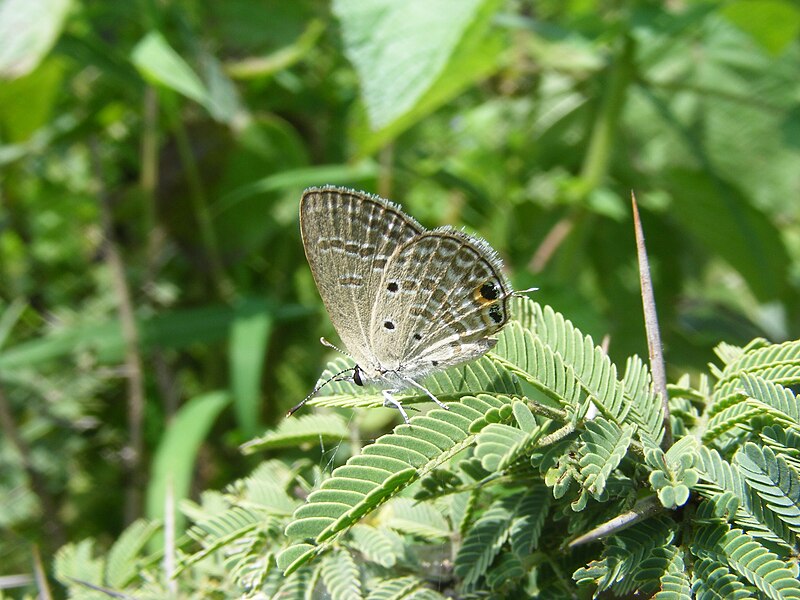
(651, 326)
(52, 526)
(132, 454)
(598, 156)
(222, 285)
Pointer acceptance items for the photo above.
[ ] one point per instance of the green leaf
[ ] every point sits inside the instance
(603, 446)
(727, 224)
(403, 588)
(774, 24)
(475, 56)
(122, 565)
(160, 64)
(399, 49)
(481, 375)
(74, 564)
(341, 575)
(422, 520)
(484, 540)
(250, 333)
(301, 431)
(28, 31)
(384, 468)
(777, 484)
(712, 580)
(174, 459)
(380, 546)
(529, 520)
(176, 329)
(759, 566)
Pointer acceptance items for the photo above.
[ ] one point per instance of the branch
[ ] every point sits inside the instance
(651, 325)
(132, 454)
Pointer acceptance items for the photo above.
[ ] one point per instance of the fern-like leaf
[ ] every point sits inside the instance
(776, 484)
(404, 588)
(529, 520)
(747, 557)
(664, 565)
(712, 580)
(603, 446)
(481, 375)
(341, 575)
(381, 546)
(757, 357)
(720, 476)
(498, 445)
(484, 540)
(223, 529)
(383, 468)
(759, 566)
(76, 563)
(521, 352)
(305, 430)
(422, 520)
(624, 555)
(776, 396)
(784, 442)
(122, 564)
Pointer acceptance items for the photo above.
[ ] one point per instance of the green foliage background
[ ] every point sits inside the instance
(153, 154)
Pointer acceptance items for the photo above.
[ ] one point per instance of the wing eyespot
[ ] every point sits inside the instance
(486, 293)
(496, 313)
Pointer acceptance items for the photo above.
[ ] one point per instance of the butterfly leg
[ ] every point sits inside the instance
(428, 392)
(391, 401)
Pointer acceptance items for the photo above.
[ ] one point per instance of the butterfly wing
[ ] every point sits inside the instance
(348, 237)
(442, 295)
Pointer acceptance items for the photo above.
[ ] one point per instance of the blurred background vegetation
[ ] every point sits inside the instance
(156, 309)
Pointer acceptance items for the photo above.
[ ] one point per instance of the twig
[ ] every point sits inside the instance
(651, 325)
(53, 528)
(222, 285)
(642, 510)
(148, 179)
(551, 242)
(169, 538)
(132, 454)
(41, 575)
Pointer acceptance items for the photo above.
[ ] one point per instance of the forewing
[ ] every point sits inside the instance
(442, 295)
(348, 238)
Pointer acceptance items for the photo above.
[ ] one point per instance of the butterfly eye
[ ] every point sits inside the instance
(357, 376)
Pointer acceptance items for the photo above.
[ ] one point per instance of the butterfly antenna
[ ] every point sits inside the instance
(332, 378)
(327, 344)
(520, 293)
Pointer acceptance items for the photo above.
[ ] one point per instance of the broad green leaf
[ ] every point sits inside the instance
(772, 23)
(27, 103)
(28, 30)
(174, 460)
(176, 329)
(359, 172)
(159, 63)
(724, 221)
(413, 56)
(248, 345)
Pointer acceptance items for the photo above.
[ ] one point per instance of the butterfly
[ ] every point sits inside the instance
(406, 301)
